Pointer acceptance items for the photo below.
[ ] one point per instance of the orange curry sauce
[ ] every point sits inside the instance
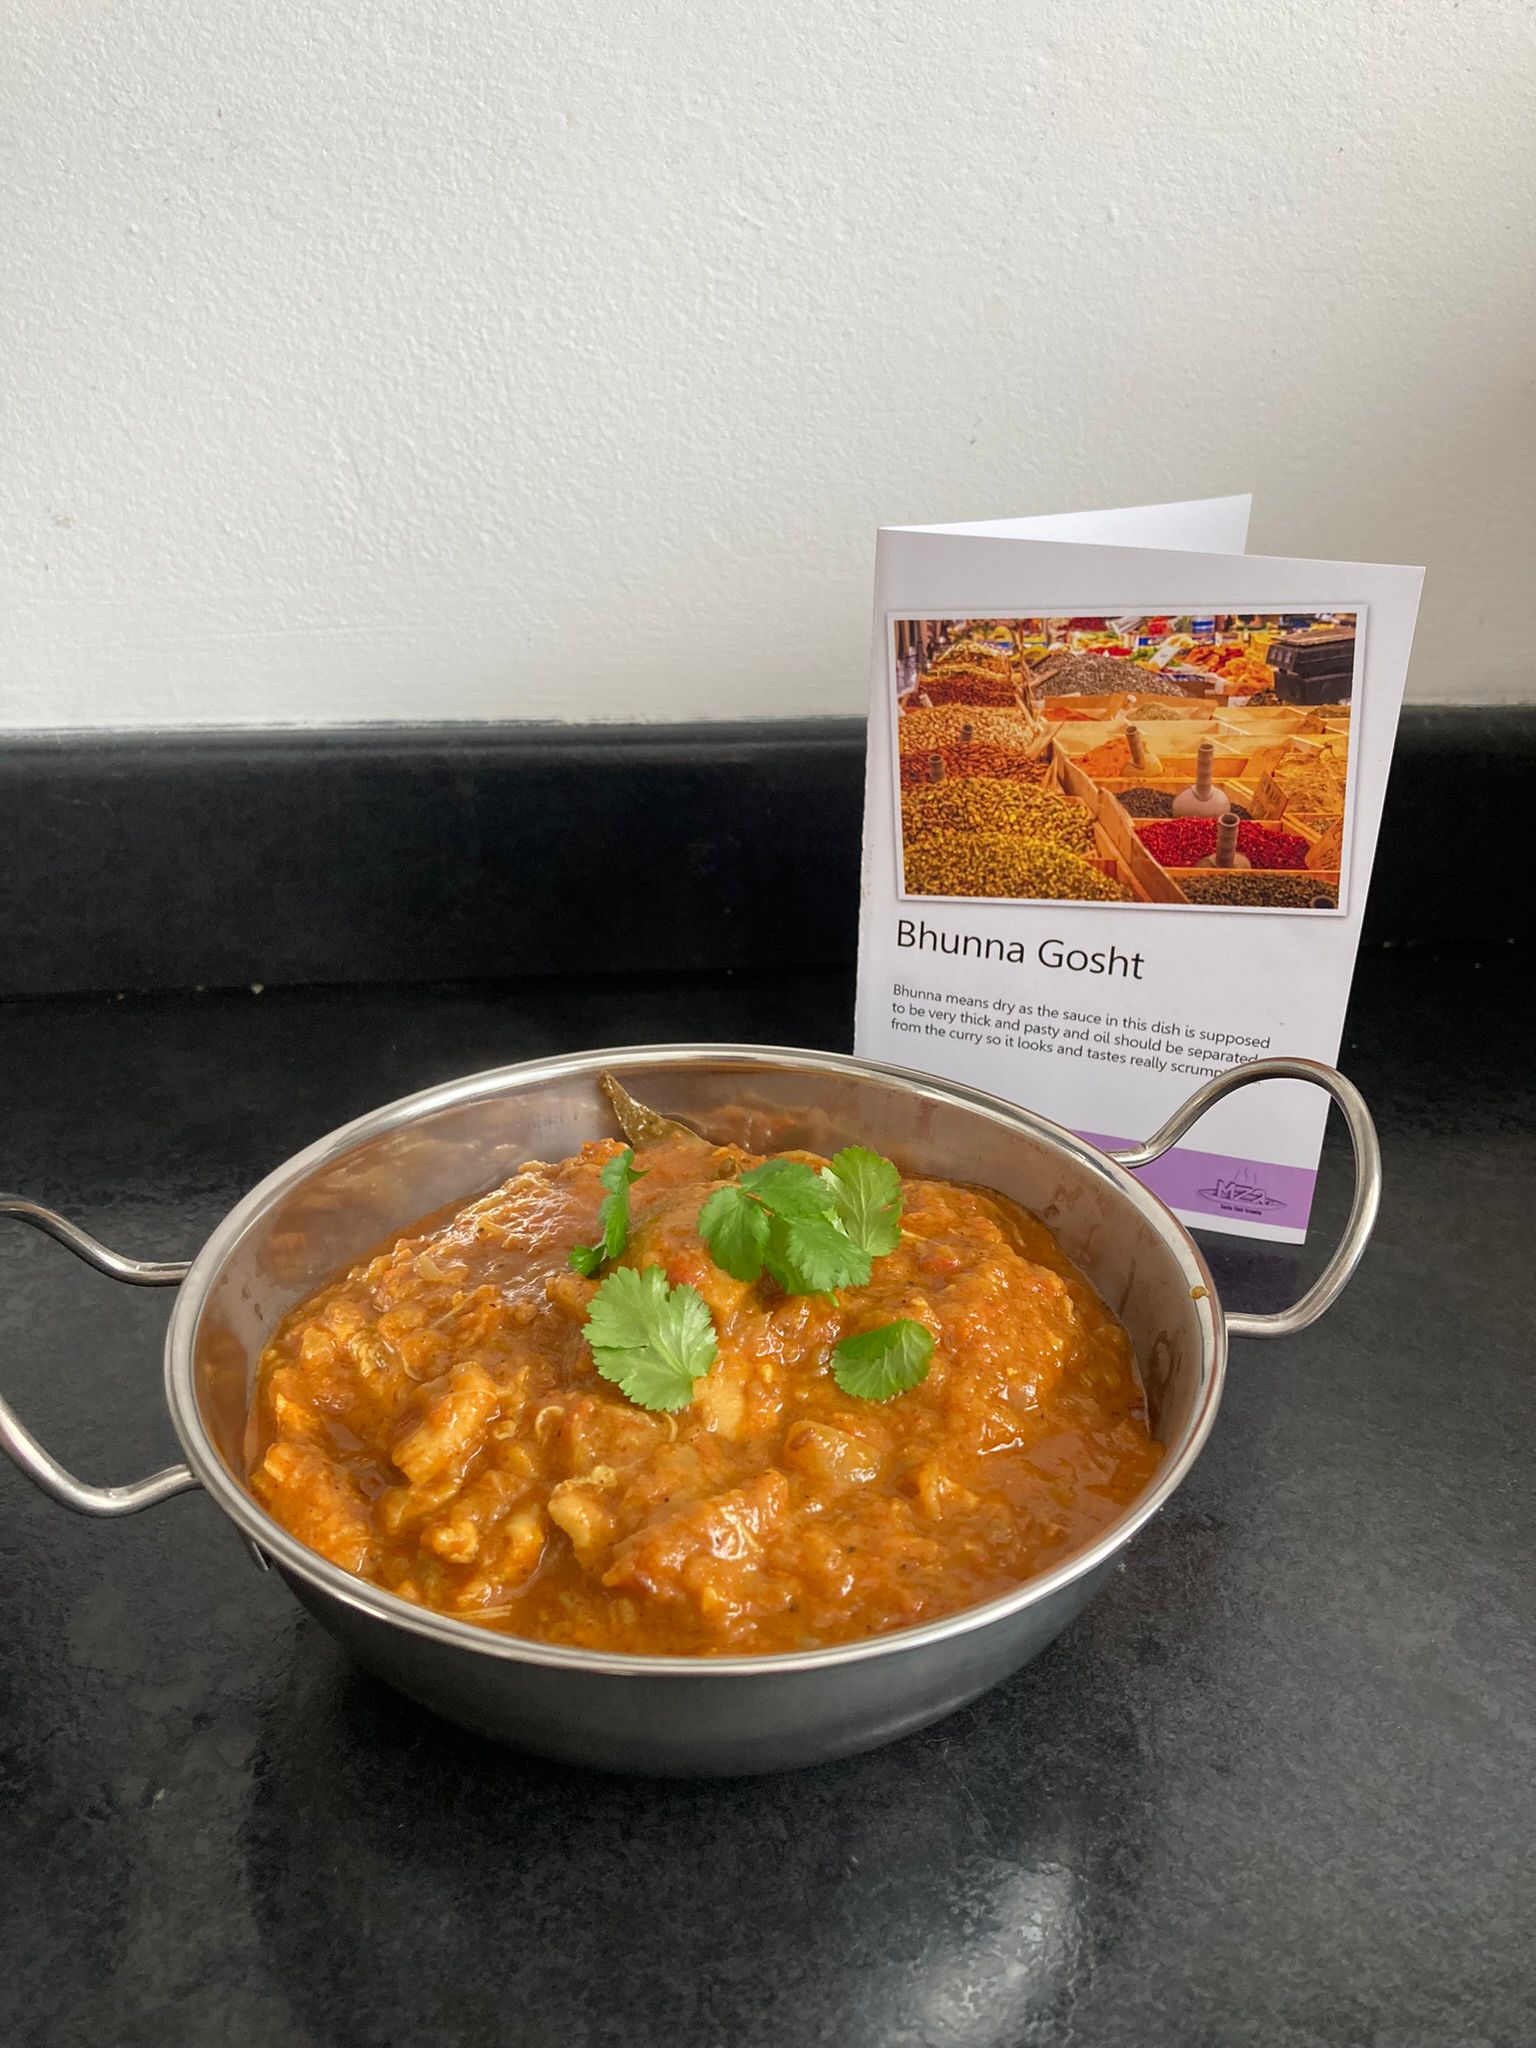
(434, 1422)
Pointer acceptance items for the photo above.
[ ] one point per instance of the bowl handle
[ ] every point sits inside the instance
(18, 1441)
(1331, 1282)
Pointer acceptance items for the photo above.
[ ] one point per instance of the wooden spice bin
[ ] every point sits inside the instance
(1095, 710)
(1261, 721)
(1263, 760)
(1105, 856)
(1147, 881)
(1110, 854)
(1177, 876)
(1088, 711)
(1307, 824)
(1241, 792)
(1327, 882)
(1174, 747)
(1151, 881)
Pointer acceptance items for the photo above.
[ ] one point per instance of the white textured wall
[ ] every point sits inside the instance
(380, 359)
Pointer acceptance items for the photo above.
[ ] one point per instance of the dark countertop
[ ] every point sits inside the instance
(1276, 1786)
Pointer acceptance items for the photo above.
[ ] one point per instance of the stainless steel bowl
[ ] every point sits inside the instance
(688, 1716)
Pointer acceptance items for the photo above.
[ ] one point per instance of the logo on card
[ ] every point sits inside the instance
(1241, 1194)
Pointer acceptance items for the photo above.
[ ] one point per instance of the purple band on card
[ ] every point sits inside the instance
(1210, 1184)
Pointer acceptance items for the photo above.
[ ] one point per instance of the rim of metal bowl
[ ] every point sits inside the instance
(287, 1551)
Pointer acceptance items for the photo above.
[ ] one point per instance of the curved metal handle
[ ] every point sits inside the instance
(1335, 1276)
(18, 1441)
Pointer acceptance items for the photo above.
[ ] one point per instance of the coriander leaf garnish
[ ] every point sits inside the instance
(790, 1189)
(866, 1191)
(653, 1341)
(736, 1230)
(813, 1232)
(814, 1257)
(612, 1214)
(884, 1361)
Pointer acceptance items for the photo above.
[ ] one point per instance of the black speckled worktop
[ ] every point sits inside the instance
(1275, 1787)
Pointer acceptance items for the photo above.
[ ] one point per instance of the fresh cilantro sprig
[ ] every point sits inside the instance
(618, 1176)
(813, 1232)
(866, 1195)
(653, 1341)
(781, 1217)
(890, 1359)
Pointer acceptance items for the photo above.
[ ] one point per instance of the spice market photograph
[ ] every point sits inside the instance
(1174, 760)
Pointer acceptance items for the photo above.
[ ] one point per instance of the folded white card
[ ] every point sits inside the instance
(1062, 717)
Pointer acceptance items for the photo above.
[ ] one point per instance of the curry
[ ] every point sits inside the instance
(436, 1420)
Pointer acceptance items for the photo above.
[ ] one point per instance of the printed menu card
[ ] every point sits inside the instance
(1123, 793)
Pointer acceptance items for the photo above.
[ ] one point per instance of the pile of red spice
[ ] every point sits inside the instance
(1184, 843)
